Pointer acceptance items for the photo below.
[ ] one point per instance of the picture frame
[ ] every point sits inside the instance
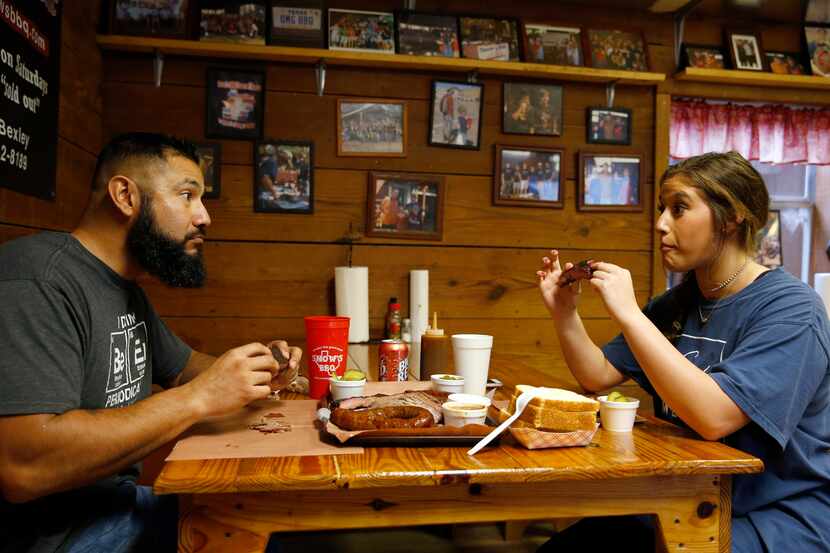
(297, 23)
(704, 56)
(455, 114)
(609, 182)
(818, 49)
(370, 127)
(210, 162)
(745, 51)
(616, 49)
(405, 205)
(608, 126)
(232, 21)
(786, 63)
(769, 251)
(146, 18)
(361, 31)
(235, 103)
(489, 38)
(528, 176)
(422, 34)
(817, 11)
(553, 45)
(284, 177)
(532, 108)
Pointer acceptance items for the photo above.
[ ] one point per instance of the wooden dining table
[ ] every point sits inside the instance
(659, 469)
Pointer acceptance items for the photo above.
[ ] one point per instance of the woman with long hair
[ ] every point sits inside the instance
(736, 352)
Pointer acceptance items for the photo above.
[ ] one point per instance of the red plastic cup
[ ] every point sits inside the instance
(327, 346)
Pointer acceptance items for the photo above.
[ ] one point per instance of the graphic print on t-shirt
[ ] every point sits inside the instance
(702, 352)
(128, 361)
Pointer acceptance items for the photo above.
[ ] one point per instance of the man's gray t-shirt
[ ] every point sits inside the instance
(73, 335)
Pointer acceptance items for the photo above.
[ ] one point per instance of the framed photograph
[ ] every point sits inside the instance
(150, 18)
(769, 252)
(284, 177)
(616, 50)
(817, 11)
(703, 57)
(532, 109)
(455, 114)
(360, 31)
(818, 48)
(371, 128)
(235, 103)
(528, 177)
(553, 45)
(234, 21)
(297, 23)
(420, 34)
(210, 162)
(484, 38)
(608, 126)
(405, 205)
(745, 51)
(609, 182)
(785, 63)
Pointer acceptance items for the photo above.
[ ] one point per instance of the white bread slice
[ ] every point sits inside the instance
(562, 421)
(556, 398)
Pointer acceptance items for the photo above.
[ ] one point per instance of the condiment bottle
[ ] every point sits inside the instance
(435, 347)
(393, 320)
(406, 330)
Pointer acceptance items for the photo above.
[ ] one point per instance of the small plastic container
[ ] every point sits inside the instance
(493, 384)
(617, 416)
(470, 398)
(343, 389)
(448, 383)
(458, 413)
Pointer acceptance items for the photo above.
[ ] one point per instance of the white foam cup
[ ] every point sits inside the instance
(471, 353)
(617, 416)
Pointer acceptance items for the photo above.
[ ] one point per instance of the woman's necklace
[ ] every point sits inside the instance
(705, 318)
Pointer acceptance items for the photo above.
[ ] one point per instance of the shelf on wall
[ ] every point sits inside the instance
(752, 78)
(194, 48)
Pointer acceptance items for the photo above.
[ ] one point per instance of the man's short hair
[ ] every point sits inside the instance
(147, 145)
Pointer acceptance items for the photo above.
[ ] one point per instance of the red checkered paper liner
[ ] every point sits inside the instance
(532, 438)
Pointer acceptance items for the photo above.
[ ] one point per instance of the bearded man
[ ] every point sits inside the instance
(81, 346)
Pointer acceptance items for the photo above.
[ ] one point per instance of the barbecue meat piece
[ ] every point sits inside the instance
(429, 400)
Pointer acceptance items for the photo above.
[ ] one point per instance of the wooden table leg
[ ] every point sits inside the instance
(198, 532)
(676, 532)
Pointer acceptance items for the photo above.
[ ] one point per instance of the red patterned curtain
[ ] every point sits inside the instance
(772, 133)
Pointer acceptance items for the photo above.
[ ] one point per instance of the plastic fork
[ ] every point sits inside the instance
(521, 403)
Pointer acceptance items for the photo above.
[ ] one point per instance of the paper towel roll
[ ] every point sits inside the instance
(823, 288)
(418, 302)
(351, 291)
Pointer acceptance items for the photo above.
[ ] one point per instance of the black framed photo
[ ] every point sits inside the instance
(609, 182)
(405, 205)
(361, 31)
(703, 56)
(284, 177)
(613, 49)
(210, 162)
(608, 125)
(371, 127)
(233, 21)
(421, 34)
(529, 108)
(785, 63)
(553, 45)
(489, 38)
(298, 23)
(235, 103)
(769, 252)
(455, 114)
(818, 48)
(150, 18)
(745, 50)
(528, 177)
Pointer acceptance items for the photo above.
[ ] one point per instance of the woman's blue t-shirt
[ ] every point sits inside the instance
(768, 348)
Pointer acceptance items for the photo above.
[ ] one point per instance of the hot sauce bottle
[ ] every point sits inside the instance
(435, 348)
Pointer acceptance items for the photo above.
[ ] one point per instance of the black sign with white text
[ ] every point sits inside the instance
(29, 68)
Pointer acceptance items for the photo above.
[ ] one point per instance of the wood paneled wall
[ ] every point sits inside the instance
(266, 271)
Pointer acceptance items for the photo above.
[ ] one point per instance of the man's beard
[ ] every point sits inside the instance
(160, 255)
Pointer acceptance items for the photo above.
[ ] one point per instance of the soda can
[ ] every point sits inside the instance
(393, 361)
